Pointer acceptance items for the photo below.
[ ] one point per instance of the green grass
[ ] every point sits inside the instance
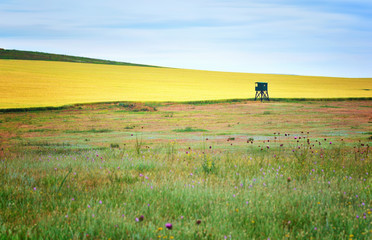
(47, 144)
(93, 130)
(241, 178)
(189, 129)
(40, 130)
(327, 106)
(256, 194)
(152, 106)
(33, 109)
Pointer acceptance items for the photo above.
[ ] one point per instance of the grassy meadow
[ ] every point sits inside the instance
(244, 170)
(33, 83)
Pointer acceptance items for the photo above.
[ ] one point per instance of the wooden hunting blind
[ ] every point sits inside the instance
(261, 91)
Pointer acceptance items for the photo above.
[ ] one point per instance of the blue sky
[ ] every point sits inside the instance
(320, 38)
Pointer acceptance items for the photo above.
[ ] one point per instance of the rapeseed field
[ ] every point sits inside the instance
(26, 83)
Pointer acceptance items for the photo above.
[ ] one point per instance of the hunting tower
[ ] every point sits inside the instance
(261, 91)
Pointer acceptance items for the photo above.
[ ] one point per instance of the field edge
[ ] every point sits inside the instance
(161, 103)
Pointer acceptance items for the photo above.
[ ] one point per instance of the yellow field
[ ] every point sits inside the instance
(40, 83)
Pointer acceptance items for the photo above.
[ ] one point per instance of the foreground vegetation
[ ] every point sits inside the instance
(239, 171)
(300, 190)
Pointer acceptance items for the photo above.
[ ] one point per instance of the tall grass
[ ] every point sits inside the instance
(138, 144)
(287, 189)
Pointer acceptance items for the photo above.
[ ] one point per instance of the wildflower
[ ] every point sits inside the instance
(141, 218)
(159, 229)
(289, 179)
(100, 202)
(198, 221)
(169, 226)
(34, 188)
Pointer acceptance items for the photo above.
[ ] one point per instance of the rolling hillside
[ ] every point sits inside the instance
(28, 55)
(35, 83)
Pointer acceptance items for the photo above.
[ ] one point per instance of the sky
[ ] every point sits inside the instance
(316, 38)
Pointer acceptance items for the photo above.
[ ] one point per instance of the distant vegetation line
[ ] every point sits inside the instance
(201, 102)
(29, 55)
